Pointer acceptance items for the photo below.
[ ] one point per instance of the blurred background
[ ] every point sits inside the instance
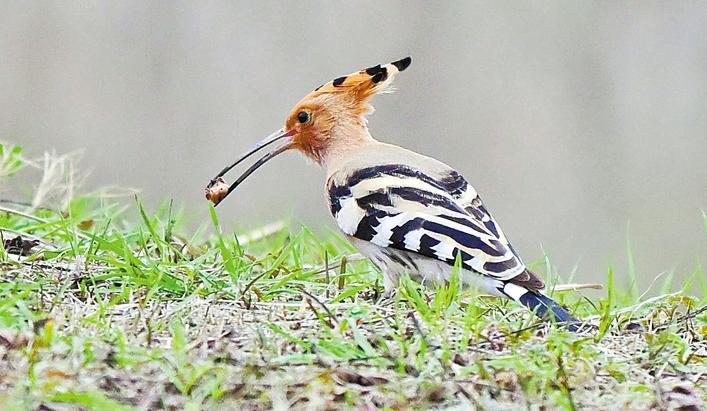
(582, 124)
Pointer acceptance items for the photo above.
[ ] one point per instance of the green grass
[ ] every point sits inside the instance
(122, 307)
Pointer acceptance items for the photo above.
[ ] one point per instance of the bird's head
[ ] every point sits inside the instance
(332, 114)
(337, 109)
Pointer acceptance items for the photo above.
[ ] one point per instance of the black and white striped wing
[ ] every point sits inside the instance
(403, 208)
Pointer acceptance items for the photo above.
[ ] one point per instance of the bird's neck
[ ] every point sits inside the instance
(344, 142)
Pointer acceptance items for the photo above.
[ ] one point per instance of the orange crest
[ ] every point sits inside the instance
(339, 105)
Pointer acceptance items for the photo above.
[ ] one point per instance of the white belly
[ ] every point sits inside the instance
(394, 263)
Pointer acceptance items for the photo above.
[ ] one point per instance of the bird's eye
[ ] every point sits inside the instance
(303, 117)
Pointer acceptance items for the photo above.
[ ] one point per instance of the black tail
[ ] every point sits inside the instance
(543, 306)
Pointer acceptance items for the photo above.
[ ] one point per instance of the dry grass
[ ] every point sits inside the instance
(211, 352)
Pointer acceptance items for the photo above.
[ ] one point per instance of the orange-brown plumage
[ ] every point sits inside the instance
(336, 110)
(324, 125)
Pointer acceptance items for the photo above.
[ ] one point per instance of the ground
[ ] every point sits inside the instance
(109, 306)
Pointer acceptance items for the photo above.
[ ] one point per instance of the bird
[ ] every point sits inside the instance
(410, 214)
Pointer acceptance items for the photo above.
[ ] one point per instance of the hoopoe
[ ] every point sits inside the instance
(408, 213)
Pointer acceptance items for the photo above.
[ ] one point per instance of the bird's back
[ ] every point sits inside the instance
(413, 206)
(376, 153)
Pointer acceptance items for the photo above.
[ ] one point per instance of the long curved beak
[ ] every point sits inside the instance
(285, 143)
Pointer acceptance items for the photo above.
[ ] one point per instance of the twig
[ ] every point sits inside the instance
(469, 397)
(348, 259)
(326, 272)
(576, 287)
(37, 219)
(316, 313)
(21, 214)
(564, 382)
(655, 279)
(15, 202)
(411, 315)
(250, 284)
(636, 307)
(310, 295)
(693, 314)
(688, 316)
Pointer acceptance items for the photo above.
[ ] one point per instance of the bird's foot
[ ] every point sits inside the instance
(387, 298)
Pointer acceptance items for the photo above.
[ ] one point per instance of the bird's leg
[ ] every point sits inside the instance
(387, 298)
(390, 287)
(388, 294)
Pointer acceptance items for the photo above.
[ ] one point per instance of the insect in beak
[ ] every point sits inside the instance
(217, 190)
